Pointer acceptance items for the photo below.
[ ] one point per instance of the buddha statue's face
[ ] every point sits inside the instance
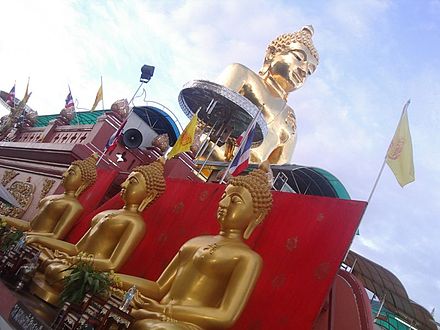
(134, 188)
(72, 178)
(290, 68)
(235, 209)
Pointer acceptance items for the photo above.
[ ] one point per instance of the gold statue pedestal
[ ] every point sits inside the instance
(40, 288)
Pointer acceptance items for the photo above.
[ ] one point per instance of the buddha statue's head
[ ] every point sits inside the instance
(246, 202)
(144, 184)
(289, 59)
(80, 175)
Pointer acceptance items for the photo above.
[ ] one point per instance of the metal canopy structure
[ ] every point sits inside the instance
(311, 181)
(221, 107)
(383, 283)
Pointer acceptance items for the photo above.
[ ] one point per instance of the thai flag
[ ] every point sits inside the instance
(114, 138)
(239, 140)
(69, 101)
(11, 97)
(241, 159)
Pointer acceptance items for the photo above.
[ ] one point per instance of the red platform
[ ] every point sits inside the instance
(302, 242)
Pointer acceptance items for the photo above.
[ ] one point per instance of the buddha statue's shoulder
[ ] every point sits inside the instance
(199, 241)
(235, 74)
(68, 200)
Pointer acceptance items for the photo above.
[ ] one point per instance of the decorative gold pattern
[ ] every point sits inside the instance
(47, 185)
(292, 243)
(178, 208)
(203, 195)
(278, 281)
(8, 175)
(320, 217)
(321, 272)
(23, 192)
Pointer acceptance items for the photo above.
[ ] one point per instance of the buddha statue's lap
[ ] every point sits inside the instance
(210, 279)
(289, 59)
(111, 238)
(57, 214)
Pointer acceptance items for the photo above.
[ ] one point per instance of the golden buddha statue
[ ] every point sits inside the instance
(208, 282)
(111, 238)
(289, 59)
(57, 214)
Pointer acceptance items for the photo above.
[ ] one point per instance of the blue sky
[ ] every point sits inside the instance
(374, 55)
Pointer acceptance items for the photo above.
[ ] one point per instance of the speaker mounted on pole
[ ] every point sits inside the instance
(132, 138)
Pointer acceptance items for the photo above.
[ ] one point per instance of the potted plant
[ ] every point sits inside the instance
(83, 278)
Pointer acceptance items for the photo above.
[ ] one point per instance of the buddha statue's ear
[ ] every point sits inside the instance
(147, 200)
(81, 188)
(252, 225)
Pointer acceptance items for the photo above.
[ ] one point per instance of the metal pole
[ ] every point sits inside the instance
(381, 305)
(209, 155)
(102, 96)
(205, 142)
(242, 144)
(137, 90)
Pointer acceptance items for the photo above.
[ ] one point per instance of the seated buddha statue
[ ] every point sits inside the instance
(208, 282)
(111, 238)
(57, 214)
(289, 60)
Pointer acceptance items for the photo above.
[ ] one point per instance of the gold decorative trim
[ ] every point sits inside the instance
(47, 186)
(23, 192)
(8, 175)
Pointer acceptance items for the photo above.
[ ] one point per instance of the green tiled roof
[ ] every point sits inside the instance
(81, 118)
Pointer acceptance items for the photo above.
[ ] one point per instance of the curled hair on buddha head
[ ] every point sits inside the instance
(87, 167)
(258, 186)
(153, 175)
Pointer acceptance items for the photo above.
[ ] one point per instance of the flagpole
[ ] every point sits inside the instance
(405, 107)
(102, 93)
(242, 144)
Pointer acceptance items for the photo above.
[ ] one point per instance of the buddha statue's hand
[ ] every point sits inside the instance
(142, 302)
(31, 239)
(140, 314)
(62, 256)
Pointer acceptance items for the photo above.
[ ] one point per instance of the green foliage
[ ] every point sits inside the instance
(83, 278)
(9, 239)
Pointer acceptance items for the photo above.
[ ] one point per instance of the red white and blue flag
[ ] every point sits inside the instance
(241, 159)
(11, 97)
(69, 100)
(114, 138)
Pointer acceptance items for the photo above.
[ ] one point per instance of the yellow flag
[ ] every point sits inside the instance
(185, 139)
(97, 98)
(400, 153)
(26, 97)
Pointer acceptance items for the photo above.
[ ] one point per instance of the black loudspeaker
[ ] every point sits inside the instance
(132, 138)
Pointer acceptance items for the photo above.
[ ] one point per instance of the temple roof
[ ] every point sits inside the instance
(82, 118)
(384, 283)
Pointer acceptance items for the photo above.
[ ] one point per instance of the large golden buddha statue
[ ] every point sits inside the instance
(111, 238)
(208, 282)
(57, 214)
(289, 59)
